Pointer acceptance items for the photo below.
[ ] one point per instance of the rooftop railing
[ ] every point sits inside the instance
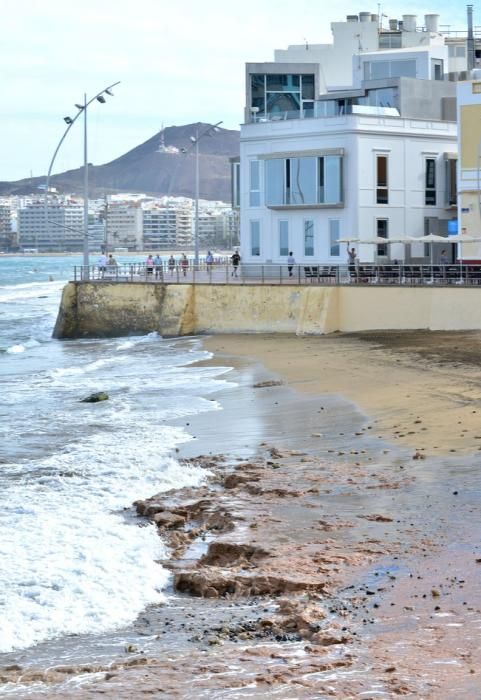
(271, 274)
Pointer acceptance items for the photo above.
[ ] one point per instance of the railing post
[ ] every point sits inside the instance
(262, 274)
(280, 274)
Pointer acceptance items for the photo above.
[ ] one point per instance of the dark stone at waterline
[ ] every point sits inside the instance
(95, 398)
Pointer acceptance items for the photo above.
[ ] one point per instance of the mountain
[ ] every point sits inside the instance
(156, 167)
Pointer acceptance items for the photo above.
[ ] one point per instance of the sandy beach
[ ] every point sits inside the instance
(334, 549)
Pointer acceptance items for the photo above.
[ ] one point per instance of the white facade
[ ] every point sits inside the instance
(124, 227)
(62, 231)
(356, 141)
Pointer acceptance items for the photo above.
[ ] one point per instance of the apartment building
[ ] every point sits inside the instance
(57, 228)
(7, 240)
(124, 226)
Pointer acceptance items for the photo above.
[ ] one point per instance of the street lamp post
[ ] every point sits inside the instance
(195, 143)
(70, 121)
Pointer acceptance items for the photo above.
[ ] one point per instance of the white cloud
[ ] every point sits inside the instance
(179, 62)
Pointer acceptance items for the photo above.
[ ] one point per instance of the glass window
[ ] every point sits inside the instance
(399, 69)
(382, 232)
(307, 87)
(274, 181)
(451, 183)
(430, 182)
(334, 231)
(254, 184)
(283, 82)
(236, 184)
(302, 180)
(381, 180)
(255, 231)
(308, 238)
(332, 180)
(283, 238)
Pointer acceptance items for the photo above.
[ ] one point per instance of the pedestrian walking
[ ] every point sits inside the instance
(235, 259)
(171, 264)
(149, 265)
(290, 263)
(158, 266)
(184, 264)
(102, 264)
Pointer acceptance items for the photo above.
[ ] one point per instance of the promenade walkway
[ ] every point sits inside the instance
(255, 274)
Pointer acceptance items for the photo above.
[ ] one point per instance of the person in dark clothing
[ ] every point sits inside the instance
(235, 260)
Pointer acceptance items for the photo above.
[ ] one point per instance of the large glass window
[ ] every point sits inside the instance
(378, 70)
(275, 184)
(332, 179)
(381, 180)
(303, 181)
(334, 231)
(430, 182)
(255, 235)
(382, 232)
(308, 237)
(283, 237)
(283, 95)
(254, 184)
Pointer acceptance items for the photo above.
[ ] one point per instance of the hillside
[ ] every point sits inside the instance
(156, 167)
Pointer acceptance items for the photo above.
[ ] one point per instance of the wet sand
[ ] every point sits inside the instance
(333, 552)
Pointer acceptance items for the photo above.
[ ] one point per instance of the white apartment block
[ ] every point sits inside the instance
(356, 140)
(124, 227)
(61, 230)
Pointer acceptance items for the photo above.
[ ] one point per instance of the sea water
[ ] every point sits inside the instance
(72, 557)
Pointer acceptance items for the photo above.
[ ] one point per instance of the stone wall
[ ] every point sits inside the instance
(115, 309)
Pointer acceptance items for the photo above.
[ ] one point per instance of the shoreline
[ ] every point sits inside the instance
(307, 490)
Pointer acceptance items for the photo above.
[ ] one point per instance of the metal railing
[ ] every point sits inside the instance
(255, 274)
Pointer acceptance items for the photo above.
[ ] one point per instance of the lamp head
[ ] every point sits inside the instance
(68, 120)
(101, 99)
(193, 139)
(108, 91)
(79, 106)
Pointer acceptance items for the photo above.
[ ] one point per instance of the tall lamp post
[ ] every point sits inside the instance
(208, 131)
(70, 121)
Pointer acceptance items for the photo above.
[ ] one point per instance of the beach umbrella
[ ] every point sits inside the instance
(348, 240)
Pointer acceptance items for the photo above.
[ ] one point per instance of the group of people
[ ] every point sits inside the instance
(106, 264)
(154, 265)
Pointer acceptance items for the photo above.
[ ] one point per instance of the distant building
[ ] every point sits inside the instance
(61, 231)
(124, 226)
(7, 240)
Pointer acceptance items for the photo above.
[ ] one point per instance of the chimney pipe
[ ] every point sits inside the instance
(470, 42)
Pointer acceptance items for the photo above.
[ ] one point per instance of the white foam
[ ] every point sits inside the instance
(14, 349)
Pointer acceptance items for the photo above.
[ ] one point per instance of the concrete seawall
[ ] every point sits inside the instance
(114, 309)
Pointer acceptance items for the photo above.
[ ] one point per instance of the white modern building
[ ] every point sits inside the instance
(357, 146)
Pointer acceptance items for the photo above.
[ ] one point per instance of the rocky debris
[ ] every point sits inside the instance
(216, 583)
(231, 554)
(96, 397)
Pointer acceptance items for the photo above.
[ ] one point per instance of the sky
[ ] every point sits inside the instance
(178, 62)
